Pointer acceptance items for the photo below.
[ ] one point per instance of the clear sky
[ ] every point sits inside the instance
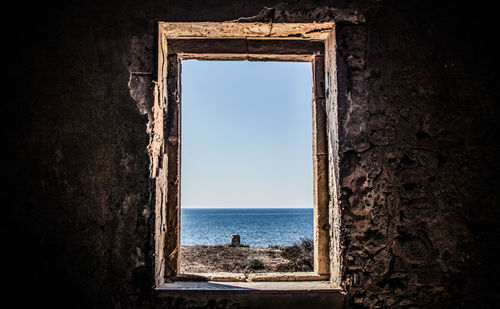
(246, 134)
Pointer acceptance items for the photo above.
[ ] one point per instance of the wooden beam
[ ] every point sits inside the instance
(244, 46)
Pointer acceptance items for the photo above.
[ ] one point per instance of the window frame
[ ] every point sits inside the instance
(234, 41)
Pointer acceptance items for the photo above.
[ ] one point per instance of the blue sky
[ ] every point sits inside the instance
(246, 134)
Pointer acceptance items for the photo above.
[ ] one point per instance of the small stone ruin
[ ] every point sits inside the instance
(235, 240)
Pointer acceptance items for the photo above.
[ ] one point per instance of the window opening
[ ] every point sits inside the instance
(247, 167)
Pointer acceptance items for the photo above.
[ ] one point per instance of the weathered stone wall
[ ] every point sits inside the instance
(418, 139)
(418, 146)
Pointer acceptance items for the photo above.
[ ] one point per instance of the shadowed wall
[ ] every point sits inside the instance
(418, 150)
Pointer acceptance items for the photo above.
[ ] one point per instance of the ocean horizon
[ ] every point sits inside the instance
(257, 227)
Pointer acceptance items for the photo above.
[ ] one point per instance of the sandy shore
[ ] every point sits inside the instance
(223, 258)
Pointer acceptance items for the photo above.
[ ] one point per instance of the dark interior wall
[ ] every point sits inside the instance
(419, 179)
(418, 150)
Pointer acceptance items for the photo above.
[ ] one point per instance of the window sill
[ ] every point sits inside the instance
(283, 286)
(285, 294)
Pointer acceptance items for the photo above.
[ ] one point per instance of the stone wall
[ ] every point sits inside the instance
(418, 148)
(418, 140)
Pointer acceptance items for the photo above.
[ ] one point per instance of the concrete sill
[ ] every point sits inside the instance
(284, 286)
(261, 295)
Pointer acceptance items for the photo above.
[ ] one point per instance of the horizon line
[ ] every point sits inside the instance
(188, 207)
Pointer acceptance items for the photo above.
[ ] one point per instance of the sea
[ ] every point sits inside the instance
(257, 227)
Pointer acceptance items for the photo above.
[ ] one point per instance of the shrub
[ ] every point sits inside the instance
(271, 246)
(256, 264)
(299, 255)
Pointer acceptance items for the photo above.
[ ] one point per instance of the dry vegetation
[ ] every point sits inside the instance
(243, 259)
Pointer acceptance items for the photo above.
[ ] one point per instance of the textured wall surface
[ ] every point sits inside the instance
(418, 147)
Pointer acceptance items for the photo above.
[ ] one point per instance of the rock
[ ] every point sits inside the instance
(235, 240)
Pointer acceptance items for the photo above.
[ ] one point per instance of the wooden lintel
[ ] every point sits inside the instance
(244, 46)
